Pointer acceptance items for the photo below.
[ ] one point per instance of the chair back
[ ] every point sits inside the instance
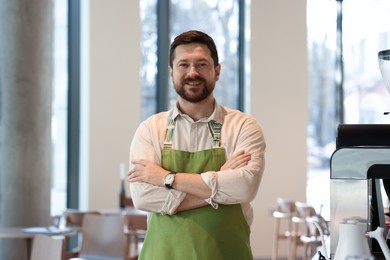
(103, 235)
(75, 217)
(46, 247)
(305, 211)
(136, 222)
(283, 230)
(311, 237)
(285, 207)
(135, 229)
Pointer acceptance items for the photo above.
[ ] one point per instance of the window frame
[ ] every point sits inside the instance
(74, 68)
(163, 43)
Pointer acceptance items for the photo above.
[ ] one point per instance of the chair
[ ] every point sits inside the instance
(135, 229)
(103, 236)
(45, 247)
(283, 218)
(310, 238)
(74, 218)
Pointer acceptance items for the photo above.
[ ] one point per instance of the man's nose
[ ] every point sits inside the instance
(193, 71)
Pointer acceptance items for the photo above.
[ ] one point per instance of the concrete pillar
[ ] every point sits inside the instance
(25, 117)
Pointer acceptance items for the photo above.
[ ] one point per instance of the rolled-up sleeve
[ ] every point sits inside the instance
(155, 199)
(238, 185)
(146, 144)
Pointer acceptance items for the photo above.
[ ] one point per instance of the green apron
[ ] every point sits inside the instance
(198, 234)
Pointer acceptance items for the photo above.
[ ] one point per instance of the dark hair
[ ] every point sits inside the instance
(193, 37)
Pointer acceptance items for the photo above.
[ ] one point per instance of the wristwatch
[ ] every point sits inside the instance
(169, 179)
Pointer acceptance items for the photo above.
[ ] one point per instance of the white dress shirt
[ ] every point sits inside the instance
(239, 132)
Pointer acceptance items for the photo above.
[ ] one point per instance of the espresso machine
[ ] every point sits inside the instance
(360, 173)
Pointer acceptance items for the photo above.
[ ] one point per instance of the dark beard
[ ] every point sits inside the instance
(206, 92)
(184, 95)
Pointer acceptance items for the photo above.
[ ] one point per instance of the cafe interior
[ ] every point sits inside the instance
(326, 157)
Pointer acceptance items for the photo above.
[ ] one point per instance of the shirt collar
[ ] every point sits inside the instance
(217, 115)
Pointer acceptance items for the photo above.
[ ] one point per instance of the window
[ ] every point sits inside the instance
(65, 106)
(163, 20)
(365, 95)
(148, 69)
(59, 108)
(342, 66)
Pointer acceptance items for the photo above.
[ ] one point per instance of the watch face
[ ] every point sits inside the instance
(169, 178)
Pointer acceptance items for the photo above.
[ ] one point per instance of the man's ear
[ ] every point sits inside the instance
(217, 71)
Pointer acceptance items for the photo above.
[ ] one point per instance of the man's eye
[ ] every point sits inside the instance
(183, 65)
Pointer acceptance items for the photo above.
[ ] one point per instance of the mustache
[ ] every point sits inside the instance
(196, 78)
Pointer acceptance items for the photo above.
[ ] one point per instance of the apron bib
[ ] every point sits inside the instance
(198, 234)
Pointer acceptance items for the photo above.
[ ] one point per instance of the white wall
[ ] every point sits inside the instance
(114, 96)
(279, 91)
(279, 101)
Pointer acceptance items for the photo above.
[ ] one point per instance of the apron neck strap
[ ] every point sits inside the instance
(169, 134)
(215, 130)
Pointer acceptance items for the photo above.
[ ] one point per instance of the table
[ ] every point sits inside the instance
(125, 211)
(95, 258)
(28, 233)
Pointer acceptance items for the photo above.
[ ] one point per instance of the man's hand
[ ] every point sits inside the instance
(192, 184)
(147, 171)
(152, 173)
(191, 202)
(238, 160)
